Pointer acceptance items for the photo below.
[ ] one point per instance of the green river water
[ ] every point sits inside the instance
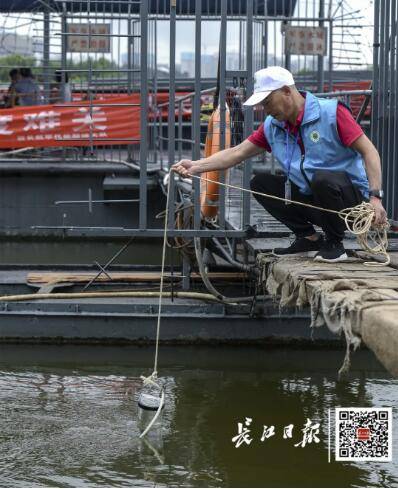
(69, 417)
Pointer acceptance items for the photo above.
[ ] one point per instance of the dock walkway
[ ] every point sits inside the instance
(353, 299)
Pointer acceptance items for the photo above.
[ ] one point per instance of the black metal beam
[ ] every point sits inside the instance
(185, 7)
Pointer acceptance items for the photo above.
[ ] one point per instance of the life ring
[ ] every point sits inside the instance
(209, 191)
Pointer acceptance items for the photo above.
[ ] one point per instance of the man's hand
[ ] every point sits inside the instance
(380, 213)
(186, 168)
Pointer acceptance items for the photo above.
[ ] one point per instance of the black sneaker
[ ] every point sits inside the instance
(301, 246)
(331, 252)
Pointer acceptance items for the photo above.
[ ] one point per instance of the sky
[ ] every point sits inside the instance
(210, 33)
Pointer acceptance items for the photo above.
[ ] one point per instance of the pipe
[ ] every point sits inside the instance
(228, 257)
(203, 274)
(217, 295)
(91, 295)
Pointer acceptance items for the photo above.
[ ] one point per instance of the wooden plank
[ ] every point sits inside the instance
(60, 277)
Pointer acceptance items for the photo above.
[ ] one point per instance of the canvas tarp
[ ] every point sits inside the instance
(352, 298)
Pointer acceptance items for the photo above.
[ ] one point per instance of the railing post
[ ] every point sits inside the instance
(321, 72)
(159, 114)
(144, 115)
(222, 101)
(384, 97)
(180, 130)
(196, 109)
(375, 82)
(46, 54)
(171, 118)
(330, 89)
(394, 154)
(389, 188)
(248, 114)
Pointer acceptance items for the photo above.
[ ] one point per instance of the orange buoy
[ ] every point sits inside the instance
(209, 191)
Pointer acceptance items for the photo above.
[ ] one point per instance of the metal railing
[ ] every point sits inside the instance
(259, 28)
(385, 100)
(189, 141)
(346, 96)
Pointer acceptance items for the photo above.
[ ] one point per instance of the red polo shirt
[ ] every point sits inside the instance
(348, 129)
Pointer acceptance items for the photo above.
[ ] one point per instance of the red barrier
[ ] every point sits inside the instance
(74, 124)
(57, 125)
(355, 100)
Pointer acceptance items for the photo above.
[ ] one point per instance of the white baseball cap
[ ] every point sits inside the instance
(266, 81)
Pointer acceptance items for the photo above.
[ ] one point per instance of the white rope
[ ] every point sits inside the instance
(373, 240)
(358, 220)
(153, 378)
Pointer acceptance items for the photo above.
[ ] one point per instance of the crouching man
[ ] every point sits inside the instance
(326, 158)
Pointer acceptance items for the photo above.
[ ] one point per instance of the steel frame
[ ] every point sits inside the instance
(255, 27)
(384, 127)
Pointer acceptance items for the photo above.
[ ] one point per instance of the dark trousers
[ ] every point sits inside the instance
(330, 190)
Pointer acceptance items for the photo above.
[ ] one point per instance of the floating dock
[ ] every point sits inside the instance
(122, 319)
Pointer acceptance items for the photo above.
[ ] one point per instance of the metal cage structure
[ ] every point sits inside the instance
(142, 42)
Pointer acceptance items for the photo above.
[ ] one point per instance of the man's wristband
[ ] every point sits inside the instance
(376, 193)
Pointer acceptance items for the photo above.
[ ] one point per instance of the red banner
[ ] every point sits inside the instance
(105, 122)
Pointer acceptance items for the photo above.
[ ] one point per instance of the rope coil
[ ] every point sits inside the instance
(372, 239)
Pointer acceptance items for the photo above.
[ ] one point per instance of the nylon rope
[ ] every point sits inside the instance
(154, 374)
(153, 378)
(166, 223)
(358, 221)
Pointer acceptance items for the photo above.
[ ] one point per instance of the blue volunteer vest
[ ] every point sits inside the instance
(323, 148)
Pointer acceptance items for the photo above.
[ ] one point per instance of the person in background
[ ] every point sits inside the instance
(11, 97)
(61, 92)
(27, 89)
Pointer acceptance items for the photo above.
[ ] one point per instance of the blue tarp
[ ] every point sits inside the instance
(209, 7)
